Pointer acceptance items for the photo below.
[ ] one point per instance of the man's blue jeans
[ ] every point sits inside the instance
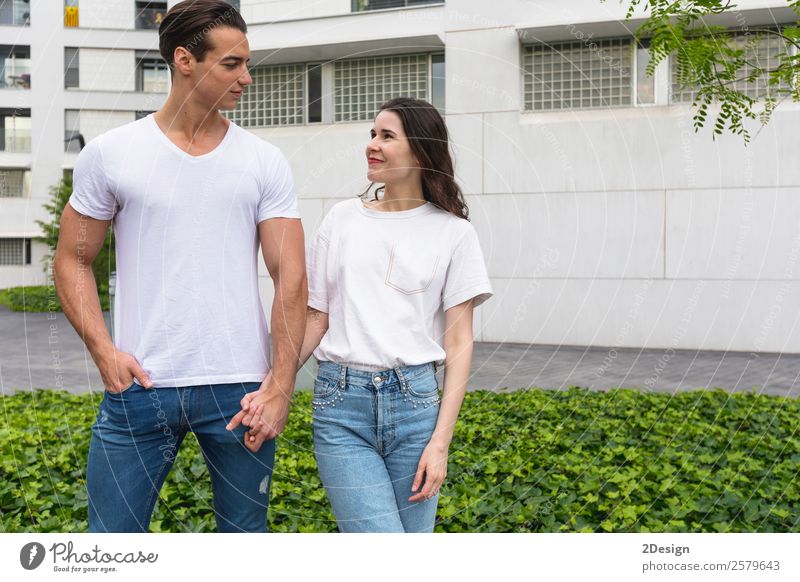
(136, 438)
(370, 429)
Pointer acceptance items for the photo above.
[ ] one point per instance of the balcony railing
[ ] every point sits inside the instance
(365, 5)
(15, 140)
(15, 73)
(150, 18)
(15, 12)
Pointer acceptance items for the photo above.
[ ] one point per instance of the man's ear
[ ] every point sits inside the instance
(183, 61)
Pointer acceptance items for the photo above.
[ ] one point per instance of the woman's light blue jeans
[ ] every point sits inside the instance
(370, 429)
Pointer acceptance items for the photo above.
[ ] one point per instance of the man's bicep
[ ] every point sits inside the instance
(80, 235)
(283, 247)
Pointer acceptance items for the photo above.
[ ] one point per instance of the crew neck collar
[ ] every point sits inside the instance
(421, 209)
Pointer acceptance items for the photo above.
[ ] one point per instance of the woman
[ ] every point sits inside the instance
(392, 285)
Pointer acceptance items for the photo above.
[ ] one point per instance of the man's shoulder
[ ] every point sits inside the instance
(122, 136)
(253, 142)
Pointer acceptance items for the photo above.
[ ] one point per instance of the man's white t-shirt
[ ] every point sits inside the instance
(187, 304)
(385, 280)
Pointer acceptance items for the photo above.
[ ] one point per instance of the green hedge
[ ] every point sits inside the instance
(527, 461)
(36, 298)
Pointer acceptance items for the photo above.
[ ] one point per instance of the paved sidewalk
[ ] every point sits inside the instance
(40, 350)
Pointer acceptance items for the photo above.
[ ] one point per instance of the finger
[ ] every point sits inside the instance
(418, 477)
(141, 376)
(253, 442)
(236, 420)
(245, 402)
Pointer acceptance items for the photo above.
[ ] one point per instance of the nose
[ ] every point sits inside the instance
(372, 145)
(246, 79)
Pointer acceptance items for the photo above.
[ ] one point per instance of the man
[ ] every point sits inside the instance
(191, 196)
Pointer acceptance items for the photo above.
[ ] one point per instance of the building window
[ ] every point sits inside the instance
(578, 75)
(71, 17)
(152, 73)
(15, 130)
(15, 67)
(71, 68)
(762, 52)
(72, 131)
(15, 251)
(364, 5)
(15, 12)
(362, 85)
(142, 114)
(276, 97)
(150, 14)
(12, 183)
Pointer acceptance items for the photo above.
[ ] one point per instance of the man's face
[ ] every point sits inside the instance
(220, 79)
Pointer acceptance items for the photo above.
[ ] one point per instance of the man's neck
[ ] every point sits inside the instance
(182, 116)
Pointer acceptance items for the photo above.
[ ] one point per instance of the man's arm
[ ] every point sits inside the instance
(284, 254)
(80, 239)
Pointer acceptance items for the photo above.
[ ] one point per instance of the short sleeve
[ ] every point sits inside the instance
(91, 195)
(466, 274)
(278, 198)
(316, 268)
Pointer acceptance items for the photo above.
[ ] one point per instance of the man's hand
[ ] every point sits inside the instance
(265, 412)
(118, 370)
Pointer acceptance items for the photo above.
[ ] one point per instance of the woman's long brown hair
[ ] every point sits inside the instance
(429, 141)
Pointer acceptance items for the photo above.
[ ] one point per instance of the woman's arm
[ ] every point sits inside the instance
(316, 326)
(458, 349)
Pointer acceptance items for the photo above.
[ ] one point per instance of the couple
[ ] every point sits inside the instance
(387, 295)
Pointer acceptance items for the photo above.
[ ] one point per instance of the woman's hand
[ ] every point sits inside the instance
(433, 469)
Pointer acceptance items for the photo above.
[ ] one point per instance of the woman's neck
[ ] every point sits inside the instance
(399, 197)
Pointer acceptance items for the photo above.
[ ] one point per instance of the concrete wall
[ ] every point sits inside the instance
(94, 122)
(616, 227)
(107, 70)
(259, 11)
(106, 13)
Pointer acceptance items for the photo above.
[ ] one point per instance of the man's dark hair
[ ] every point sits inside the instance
(189, 23)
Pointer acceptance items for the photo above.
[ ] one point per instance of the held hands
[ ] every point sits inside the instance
(119, 369)
(433, 468)
(265, 412)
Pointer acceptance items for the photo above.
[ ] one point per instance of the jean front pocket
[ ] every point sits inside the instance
(327, 392)
(423, 390)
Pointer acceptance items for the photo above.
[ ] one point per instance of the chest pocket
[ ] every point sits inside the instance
(412, 266)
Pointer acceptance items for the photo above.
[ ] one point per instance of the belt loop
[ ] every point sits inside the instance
(402, 378)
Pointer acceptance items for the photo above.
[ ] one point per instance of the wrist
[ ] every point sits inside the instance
(440, 441)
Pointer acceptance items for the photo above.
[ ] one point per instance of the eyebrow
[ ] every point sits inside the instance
(236, 59)
(384, 131)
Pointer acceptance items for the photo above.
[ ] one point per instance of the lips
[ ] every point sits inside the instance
(372, 161)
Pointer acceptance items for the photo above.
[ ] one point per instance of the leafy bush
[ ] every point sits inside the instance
(38, 298)
(532, 460)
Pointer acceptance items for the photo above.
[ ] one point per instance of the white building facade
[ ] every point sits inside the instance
(605, 219)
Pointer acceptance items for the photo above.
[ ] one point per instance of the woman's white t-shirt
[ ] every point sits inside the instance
(385, 280)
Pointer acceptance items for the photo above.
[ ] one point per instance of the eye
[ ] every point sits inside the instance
(230, 66)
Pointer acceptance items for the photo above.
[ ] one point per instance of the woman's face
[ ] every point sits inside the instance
(389, 157)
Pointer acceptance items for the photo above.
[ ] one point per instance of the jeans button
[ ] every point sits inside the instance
(377, 379)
